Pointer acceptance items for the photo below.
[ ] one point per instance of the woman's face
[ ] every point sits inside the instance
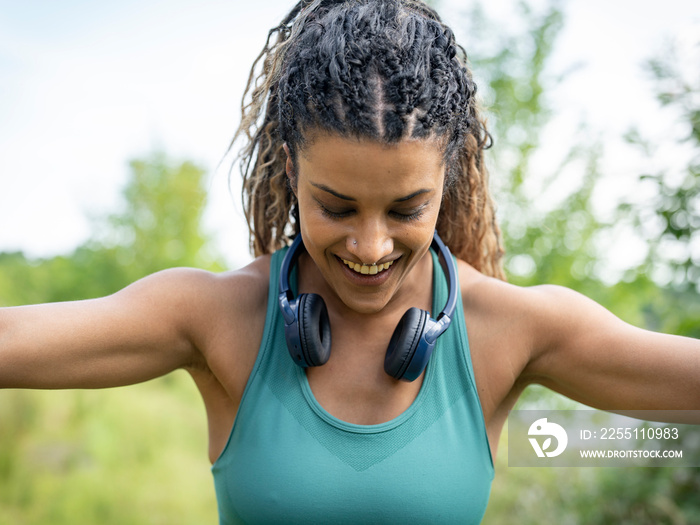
(367, 212)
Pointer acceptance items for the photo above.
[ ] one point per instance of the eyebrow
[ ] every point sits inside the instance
(325, 188)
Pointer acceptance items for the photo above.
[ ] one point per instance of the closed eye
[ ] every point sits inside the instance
(341, 214)
(411, 214)
(334, 214)
(407, 216)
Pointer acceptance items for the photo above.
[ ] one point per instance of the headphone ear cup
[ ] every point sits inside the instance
(404, 342)
(314, 329)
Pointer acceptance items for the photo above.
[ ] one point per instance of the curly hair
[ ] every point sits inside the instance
(385, 70)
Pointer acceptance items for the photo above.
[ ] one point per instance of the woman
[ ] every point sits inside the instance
(364, 138)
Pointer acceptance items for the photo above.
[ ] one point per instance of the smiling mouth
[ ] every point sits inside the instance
(366, 269)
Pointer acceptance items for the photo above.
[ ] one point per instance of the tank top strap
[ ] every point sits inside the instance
(269, 352)
(453, 370)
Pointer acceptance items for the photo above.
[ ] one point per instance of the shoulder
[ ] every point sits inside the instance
(192, 289)
(235, 299)
(530, 306)
(527, 323)
(245, 288)
(488, 297)
(204, 306)
(508, 326)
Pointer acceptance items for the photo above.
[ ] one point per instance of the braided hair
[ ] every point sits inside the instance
(384, 70)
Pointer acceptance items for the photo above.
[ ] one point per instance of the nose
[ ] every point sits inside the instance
(370, 243)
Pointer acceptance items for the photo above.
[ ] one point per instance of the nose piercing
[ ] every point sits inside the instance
(354, 242)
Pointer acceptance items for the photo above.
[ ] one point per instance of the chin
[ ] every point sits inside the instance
(367, 309)
(368, 306)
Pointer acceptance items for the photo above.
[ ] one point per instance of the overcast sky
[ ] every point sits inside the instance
(86, 86)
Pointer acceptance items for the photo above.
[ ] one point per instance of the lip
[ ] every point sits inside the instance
(366, 280)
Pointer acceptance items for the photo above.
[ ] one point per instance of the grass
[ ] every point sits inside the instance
(133, 455)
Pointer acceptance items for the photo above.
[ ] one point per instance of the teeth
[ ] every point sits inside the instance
(366, 269)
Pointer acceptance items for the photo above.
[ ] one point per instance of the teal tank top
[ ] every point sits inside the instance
(289, 461)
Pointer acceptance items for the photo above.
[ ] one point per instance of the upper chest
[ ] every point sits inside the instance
(353, 385)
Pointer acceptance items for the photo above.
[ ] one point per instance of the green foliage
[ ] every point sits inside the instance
(135, 455)
(557, 240)
(514, 68)
(669, 221)
(550, 237)
(159, 227)
(161, 224)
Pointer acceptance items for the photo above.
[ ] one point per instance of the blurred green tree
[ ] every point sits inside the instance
(160, 226)
(669, 218)
(547, 241)
(559, 242)
(669, 222)
(120, 456)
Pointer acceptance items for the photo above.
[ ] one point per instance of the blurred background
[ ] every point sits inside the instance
(115, 119)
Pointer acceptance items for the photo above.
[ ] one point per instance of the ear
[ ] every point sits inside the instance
(289, 166)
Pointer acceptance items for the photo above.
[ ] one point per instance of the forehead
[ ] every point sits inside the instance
(329, 157)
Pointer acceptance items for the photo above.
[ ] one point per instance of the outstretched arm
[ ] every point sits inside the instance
(586, 353)
(141, 332)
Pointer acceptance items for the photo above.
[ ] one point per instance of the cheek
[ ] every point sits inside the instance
(318, 232)
(310, 217)
(308, 221)
(425, 226)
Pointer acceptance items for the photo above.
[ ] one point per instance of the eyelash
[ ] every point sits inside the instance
(399, 216)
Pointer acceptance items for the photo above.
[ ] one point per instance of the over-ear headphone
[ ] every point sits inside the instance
(308, 330)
